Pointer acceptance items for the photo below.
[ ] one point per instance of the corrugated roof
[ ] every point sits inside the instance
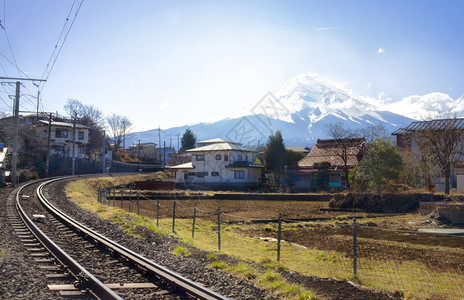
(440, 124)
(188, 165)
(63, 124)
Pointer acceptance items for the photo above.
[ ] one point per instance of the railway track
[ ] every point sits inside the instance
(87, 264)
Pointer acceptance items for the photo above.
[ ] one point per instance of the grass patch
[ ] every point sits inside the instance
(181, 251)
(413, 278)
(218, 265)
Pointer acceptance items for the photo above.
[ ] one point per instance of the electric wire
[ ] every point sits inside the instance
(58, 41)
(62, 44)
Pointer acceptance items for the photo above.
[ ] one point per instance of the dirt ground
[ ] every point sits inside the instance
(391, 236)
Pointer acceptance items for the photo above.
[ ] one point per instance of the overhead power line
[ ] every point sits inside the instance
(62, 43)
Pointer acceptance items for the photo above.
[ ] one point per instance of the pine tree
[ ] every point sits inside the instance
(188, 140)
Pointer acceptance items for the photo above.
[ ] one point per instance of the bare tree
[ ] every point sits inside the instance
(119, 129)
(442, 141)
(344, 140)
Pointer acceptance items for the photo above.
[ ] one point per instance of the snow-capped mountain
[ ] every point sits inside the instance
(302, 108)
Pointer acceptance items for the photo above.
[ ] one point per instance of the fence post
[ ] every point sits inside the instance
(157, 212)
(114, 196)
(173, 216)
(138, 198)
(194, 217)
(354, 248)
(279, 230)
(122, 197)
(130, 199)
(219, 228)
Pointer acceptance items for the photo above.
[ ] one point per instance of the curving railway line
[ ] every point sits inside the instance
(85, 263)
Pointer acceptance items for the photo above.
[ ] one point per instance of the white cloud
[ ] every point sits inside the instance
(381, 50)
(326, 28)
(164, 105)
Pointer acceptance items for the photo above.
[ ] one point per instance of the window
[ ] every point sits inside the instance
(191, 174)
(81, 135)
(215, 174)
(200, 157)
(58, 148)
(186, 175)
(246, 157)
(239, 157)
(226, 157)
(61, 133)
(239, 174)
(44, 132)
(202, 174)
(80, 150)
(218, 156)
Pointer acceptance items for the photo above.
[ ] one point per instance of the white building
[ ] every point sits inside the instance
(219, 163)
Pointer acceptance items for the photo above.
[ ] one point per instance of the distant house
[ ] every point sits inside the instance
(147, 152)
(219, 163)
(406, 141)
(302, 149)
(323, 167)
(61, 137)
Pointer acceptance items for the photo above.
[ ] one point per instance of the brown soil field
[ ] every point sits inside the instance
(332, 230)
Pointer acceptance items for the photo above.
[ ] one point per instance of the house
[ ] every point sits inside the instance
(448, 132)
(323, 167)
(3, 171)
(301, 149)
(147, 152)
(220, 164)
(61, 137)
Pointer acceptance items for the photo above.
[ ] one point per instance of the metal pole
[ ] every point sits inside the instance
(173, 216)
(138, 198)
(130, 199)
(194, 217)
(279, 231)
(47, 165)
(15, 134)
(219, 228)
(157, 212)
(73, 171)
(354, 247)
(103, 153)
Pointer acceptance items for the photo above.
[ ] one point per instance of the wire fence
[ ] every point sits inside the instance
(419, 265)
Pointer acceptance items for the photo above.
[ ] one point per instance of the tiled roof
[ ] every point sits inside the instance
(220, 147)
(329, 151)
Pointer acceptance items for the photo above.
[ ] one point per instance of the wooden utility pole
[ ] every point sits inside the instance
(103, 153)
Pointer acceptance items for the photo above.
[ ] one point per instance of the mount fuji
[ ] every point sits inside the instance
(302, 108)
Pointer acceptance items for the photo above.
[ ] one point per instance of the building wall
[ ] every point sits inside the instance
(210, 168)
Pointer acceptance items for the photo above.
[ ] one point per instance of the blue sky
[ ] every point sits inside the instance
(166, 63)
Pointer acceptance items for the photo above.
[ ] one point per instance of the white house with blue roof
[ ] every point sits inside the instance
(219, 163)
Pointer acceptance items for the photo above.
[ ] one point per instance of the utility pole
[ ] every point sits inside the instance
(103, 152)
(38, 99)
(15, 134)
(73, 147)
(159, 140)
(178, 142)
(47, 165)
(164, 155)
(16, 126)
(124, 134)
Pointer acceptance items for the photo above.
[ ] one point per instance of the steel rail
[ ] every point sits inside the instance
(176, 280)
(97, 288)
